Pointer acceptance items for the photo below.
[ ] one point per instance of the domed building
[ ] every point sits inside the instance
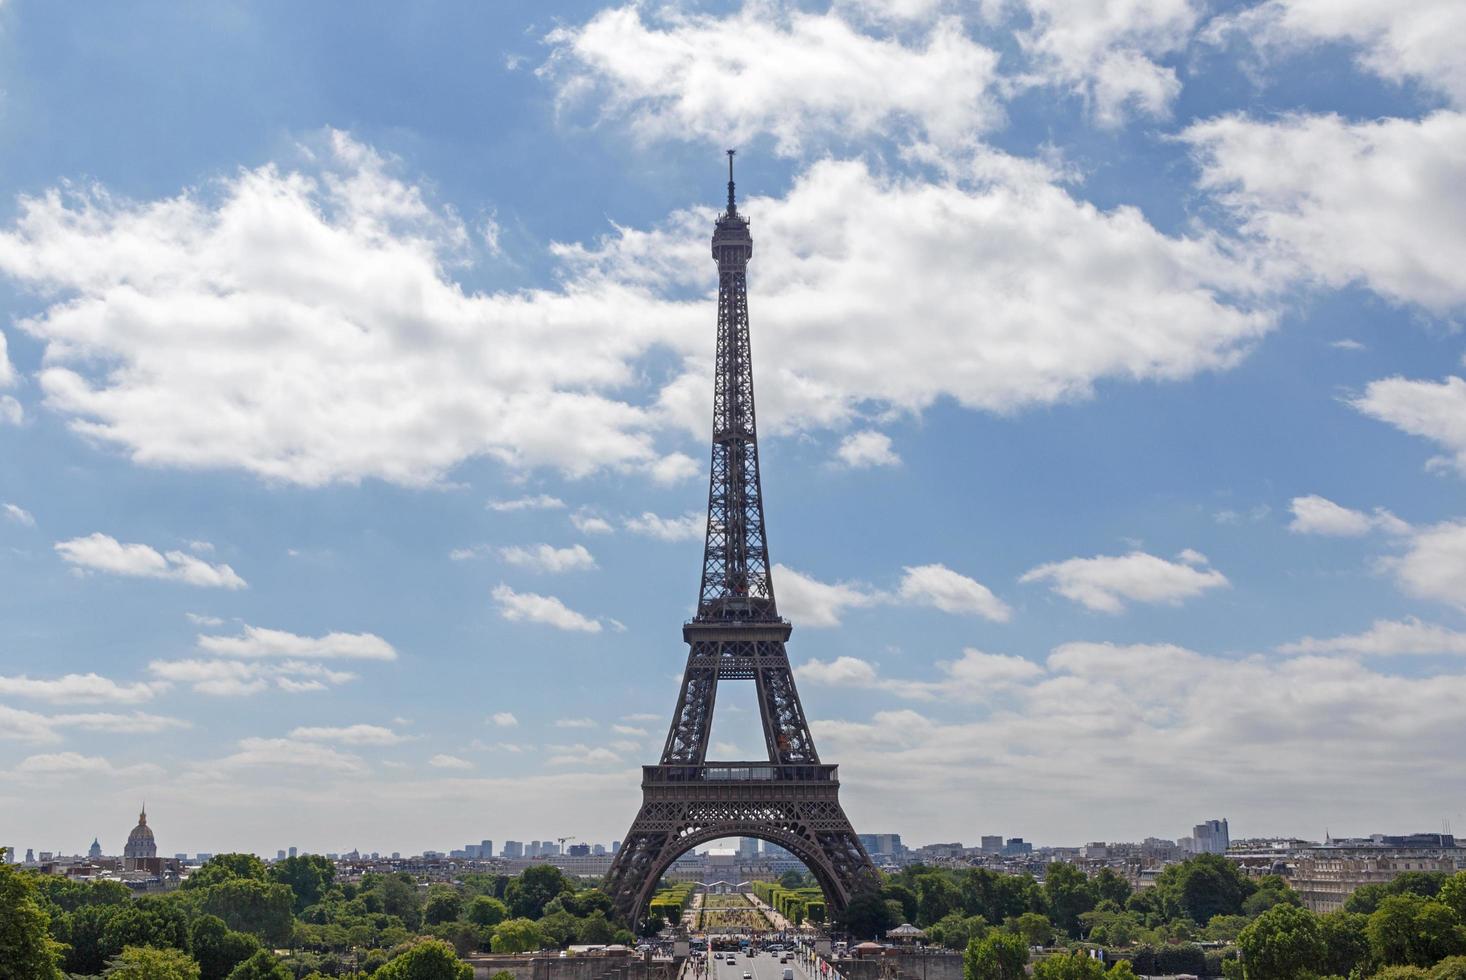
(96, 849)
(140, 843)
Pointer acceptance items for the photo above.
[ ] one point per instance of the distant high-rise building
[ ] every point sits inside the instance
(1017, 847)
(886, 845)
(30, 855)
(292, 852)
(280, 855)
(180, 856)
(598, 849)
(513, 849)
(748, 847)
(397, 855)
(95, 851)
(578, 850)
(486, 849)
(615, 847)
(1210, 837)
(992, 844)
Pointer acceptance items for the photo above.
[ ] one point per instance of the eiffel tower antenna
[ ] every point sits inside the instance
(791, 799)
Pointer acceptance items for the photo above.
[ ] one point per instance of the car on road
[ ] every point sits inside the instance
(747, 975)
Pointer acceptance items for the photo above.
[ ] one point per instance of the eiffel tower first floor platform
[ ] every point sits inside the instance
(794, 806)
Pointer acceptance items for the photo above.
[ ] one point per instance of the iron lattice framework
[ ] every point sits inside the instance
(792, 799)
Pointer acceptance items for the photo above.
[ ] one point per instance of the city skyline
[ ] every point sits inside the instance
(354, 402)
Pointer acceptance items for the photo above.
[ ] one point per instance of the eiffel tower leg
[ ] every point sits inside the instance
(804, 818)
(692, 723)
(785, 730)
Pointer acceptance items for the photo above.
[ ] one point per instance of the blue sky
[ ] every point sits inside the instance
(354, 397)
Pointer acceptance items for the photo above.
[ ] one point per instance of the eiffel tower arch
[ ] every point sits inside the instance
(790, 799)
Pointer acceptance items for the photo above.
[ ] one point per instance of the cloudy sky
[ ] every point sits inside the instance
(354, 397)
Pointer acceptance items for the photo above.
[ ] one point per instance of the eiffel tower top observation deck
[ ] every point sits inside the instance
(791, 799)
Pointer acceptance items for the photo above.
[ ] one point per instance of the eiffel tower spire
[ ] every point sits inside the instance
(790, 799)
(736, 584)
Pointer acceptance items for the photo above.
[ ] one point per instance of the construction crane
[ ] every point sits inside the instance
(561, 841)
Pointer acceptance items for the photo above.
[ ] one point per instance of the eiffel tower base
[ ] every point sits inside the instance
(796, 807)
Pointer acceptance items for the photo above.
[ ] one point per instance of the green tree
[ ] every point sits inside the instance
(956, 930)
(1224, 928)
(996, 956)
(1409, 930)
(1282, 943)
(1401, 973)
(559, 928)
(867, 915)
(588, 902)
(1203, 886)
(1122, 970)
(792, 879)
(483, 910)
(528, 894)
(938, 898)
(222, 867)
(427, 959)
(1345, 943)
(444, 904)
(1453, 894)
(1366, 898)
(307, 875)
(1271, 890)
(906, 898)
(149, 963)
(1069, 966)
(1111, 887)
(516, 936)
(1068, 894)
(594, 929)
(1450, 968)
(1036, 929)
(255, 906)
(217, 948)
(144, 924)
(261, 966)
(26, 948)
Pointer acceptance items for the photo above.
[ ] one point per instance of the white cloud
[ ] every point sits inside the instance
(574, 723)
(581, 755)
(336, 344)
(867, 448)
(547, 558)
(975, 676)
(1403, 39)
(805, 78)
(588, 523)
(1347, 344)
(276, 754)
(504, 719)
(11, 412)
(843, 671)
(1295, 730)
(449, 762)
(88, 688)
(19, 515)
(331, 284)
(469, 553)
(810, 602)
(691, 526)
(199, 619)
(257, 641)
(1318, 515)
(102, 553)
(232, 678)
(7, 370)
(1434, 565)
(1422, 408)
(76, 764)
(1386, 638)
(352, 735)
(534, 608)
(952, 592)
(630, 730)
(1374, 202)
(1105, 583)
(29, 726)
(1108, 50)
(537, 502)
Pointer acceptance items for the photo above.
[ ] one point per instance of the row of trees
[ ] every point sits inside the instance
(234, 910)
(1412, 927)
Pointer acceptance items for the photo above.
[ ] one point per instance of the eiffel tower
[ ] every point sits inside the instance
(791, 799)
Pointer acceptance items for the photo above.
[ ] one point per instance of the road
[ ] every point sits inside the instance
(763, 967)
